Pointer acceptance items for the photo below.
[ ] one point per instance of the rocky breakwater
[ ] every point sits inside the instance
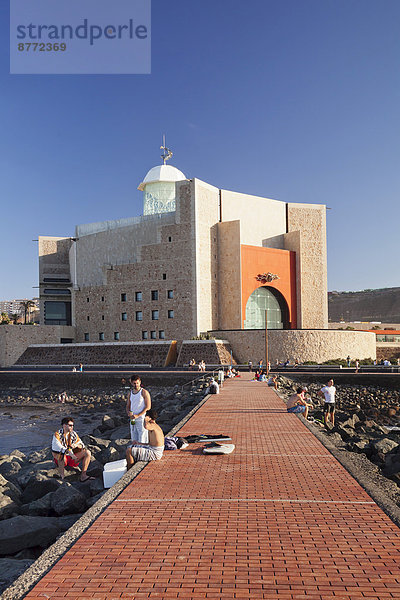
(367, 421)
(36, 507)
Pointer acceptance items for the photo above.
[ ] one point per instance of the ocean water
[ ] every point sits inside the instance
(29, 428)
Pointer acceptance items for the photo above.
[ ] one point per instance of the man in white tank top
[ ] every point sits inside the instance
(137, 404)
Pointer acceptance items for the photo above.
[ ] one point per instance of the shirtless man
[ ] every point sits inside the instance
(137, 404)
(297, 404)
(151, 451)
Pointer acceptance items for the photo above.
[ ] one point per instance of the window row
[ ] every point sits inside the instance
(154, 294)
(139, 315)
(145, 335)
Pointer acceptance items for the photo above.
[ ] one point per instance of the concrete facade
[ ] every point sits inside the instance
(299, 345)
(15, 339)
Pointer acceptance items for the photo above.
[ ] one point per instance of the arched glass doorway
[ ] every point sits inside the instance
(270, 300)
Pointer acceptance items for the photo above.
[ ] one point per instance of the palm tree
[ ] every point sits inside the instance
(15, 317)
(26, 306)
(4, 318)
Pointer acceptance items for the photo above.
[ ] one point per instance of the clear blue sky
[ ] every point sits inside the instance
(296, 100)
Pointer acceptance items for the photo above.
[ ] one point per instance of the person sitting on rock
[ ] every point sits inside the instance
(151, 451)
(297, 404)
(273, 382)
(68, 449)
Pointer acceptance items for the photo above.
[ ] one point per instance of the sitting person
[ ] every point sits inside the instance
(213, 387)
(68, 449)
(297, 404)
(273, 382)
(151, 451)
(262, 377)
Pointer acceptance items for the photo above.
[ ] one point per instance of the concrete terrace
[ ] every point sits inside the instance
(279, 519)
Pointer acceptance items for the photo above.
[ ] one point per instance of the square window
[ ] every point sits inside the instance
(170, 314)
(145, 335)
(124, 316)
(139, 315)
(86, 337)
(101, 337)
(116, 335)
(161, 335)
(164, 276)
(154, 315)
(138, 296)
(170, 294)
(123, 297)
(153, 335)
(154, 295)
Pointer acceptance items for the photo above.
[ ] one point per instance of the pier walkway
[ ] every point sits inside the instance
(279, 519)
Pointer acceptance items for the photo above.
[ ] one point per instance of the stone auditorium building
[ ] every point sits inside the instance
(200, 259)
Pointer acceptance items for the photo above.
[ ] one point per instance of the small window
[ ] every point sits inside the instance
(170, 294)
(154, 295)
(102, 298)
(164, 276)
(170, 314)
(87, 299)
(101, 337)
(139, 315)
(161, 335)
(88, 318)
(124, 316)
(145, 335)
(102, 317)
(116, 335)
(123, 297)
(154, 315)
(153, 335)
(169, 238)
(138, 296)
(86, 337)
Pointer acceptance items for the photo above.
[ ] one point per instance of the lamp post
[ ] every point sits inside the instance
(266, 342)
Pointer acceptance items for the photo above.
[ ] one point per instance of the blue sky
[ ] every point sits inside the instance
(296, 100)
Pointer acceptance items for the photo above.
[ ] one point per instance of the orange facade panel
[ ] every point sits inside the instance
(255, 261)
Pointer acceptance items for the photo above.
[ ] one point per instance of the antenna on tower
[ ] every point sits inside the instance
(167, 153)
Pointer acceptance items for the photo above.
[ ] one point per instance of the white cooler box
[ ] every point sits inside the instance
(113, 471)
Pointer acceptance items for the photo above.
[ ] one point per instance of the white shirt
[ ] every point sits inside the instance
(329, 392)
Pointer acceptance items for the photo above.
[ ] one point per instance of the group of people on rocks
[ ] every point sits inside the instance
(147, 438)
(300, 402)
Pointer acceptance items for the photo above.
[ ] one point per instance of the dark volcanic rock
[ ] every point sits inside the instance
(39, 485)
(68, 500)
(22, 532)
(10, 569)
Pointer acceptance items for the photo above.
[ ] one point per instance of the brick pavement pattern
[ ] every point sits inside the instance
(278, 519)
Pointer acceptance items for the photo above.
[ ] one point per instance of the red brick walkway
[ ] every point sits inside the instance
(278, 519)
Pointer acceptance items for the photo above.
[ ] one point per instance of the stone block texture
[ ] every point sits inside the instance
(213, 352)
(14, 339)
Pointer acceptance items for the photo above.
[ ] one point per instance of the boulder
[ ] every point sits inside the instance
(39, 508)
(108, 422)
(40, 455)
(18, 453)
(108, 455)
(121, 432)
(8, 506)
(23, 531)
(91, 440)
(10, 569)
(39, 485)
(95, 469)
(9, 489)
(67, 500)
(384, 445)
(121, 445)
(67, 521)
(9, 466)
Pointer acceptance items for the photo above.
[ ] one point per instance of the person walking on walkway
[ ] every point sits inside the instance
(329, 391)
(137, 404)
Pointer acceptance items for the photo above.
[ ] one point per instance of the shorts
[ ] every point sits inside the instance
(329, 407)
(70, 462)
(300, 408)
(147, 453)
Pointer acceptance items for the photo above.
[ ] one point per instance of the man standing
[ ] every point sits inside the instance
(68, 449)
(329, 392)
(137, 404)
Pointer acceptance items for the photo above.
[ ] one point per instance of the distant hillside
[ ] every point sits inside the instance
(369, 305)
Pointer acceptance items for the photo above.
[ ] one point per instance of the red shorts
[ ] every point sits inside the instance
(69, 463)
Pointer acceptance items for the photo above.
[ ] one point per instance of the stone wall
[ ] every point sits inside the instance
(213, 352)
(14, 339)
(299, 345)
(389, 351)
(152, 353)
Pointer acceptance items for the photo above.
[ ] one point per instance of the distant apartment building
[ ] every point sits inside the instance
(11, 307)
